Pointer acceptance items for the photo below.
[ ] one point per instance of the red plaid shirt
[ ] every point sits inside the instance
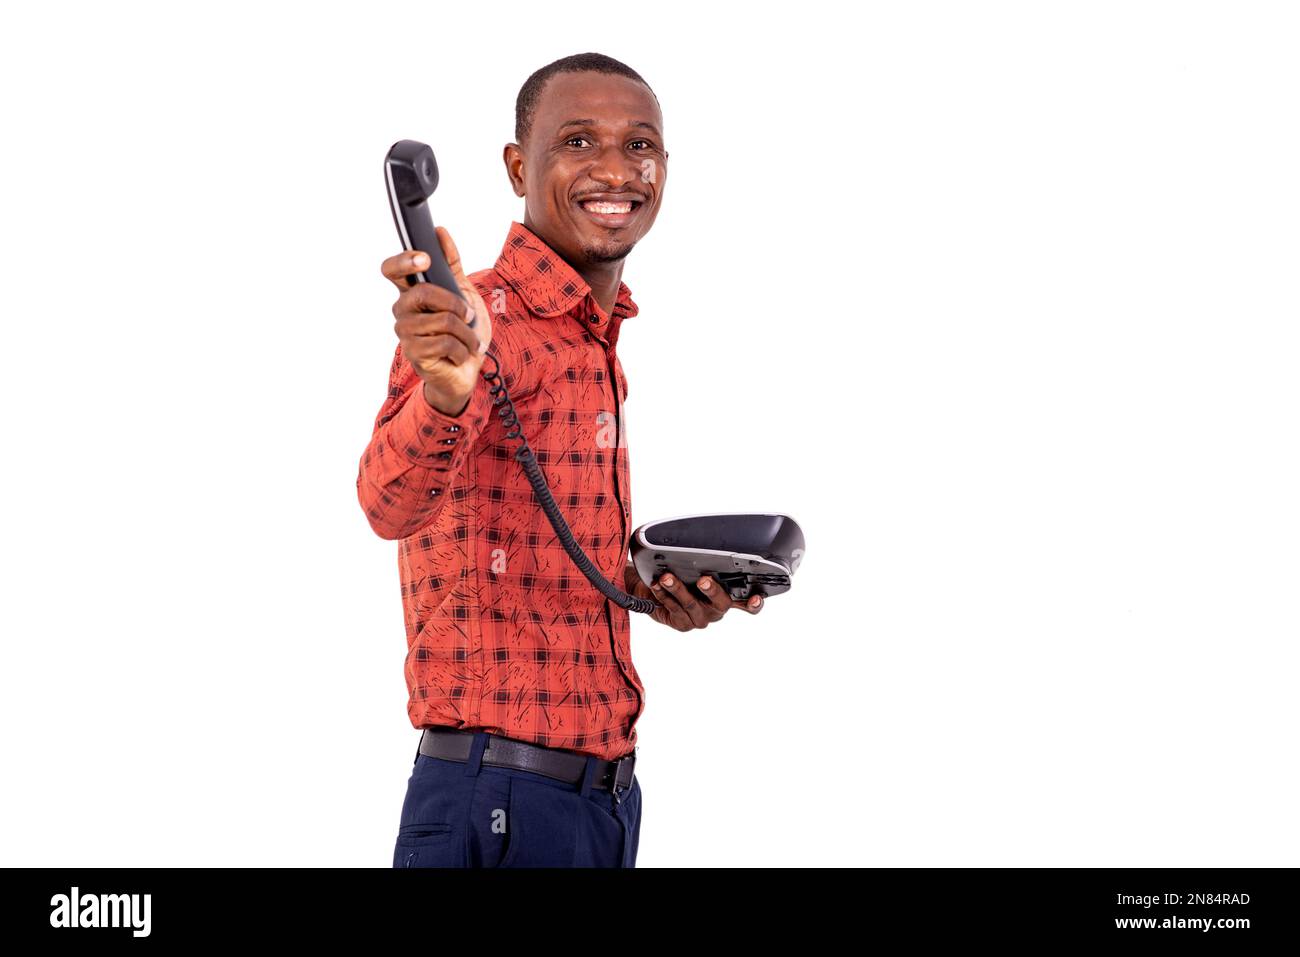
(504, 633)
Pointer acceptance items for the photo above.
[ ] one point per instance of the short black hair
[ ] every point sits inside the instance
(531, 91)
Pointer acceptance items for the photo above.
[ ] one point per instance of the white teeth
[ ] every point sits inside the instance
(600, 207)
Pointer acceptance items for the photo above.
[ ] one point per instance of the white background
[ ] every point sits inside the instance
(998, 300)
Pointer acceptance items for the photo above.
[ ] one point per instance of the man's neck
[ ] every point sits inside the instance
(603, 278)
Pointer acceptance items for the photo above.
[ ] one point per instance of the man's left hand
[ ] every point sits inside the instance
(683, 607)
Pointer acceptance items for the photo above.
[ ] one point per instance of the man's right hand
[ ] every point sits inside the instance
(433, 327)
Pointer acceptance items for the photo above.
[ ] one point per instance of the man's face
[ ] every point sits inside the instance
(596, 145)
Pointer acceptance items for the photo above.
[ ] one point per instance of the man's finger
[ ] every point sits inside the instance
(428, 297)
(638, 589)
(678, 589)
(716, 594)
(676, 613)
(427, 326)
(664, 597)
(397, 268)
(446, 347)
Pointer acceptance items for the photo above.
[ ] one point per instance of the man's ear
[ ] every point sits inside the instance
(513, 157)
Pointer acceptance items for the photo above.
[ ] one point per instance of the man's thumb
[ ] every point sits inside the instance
(451, 254)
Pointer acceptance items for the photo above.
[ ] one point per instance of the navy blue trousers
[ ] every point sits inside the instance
(476, 815)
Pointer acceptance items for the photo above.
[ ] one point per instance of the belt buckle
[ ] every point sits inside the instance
(626, 761)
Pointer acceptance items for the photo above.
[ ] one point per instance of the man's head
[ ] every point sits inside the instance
(588, 131)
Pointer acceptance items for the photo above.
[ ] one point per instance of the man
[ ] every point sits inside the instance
(519, 671)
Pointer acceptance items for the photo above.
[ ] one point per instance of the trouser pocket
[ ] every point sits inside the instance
(431, 832)
(433, 844)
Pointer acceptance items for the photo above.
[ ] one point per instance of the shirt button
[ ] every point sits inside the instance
(593, 319)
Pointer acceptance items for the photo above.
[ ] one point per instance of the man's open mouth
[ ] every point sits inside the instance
(609, 212)
(599, 206)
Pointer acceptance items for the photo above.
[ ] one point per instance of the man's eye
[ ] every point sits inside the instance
(575, 139)
(648, 144)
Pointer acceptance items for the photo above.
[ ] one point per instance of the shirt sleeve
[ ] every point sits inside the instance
(415, 453)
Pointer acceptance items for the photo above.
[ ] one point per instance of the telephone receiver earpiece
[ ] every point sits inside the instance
(412, 175)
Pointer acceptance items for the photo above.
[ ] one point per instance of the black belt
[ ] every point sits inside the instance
(453, 744)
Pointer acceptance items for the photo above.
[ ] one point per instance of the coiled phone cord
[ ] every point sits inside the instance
(497, 388)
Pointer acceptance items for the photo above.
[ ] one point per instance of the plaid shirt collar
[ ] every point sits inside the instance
(547, 284)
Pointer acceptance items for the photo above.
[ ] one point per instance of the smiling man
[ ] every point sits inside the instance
(519, 671)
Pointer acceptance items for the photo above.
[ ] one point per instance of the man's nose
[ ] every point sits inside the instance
(612, 167)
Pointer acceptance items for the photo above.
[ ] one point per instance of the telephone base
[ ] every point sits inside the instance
(747, 553)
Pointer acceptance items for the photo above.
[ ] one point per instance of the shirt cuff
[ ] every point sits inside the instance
(429, 437)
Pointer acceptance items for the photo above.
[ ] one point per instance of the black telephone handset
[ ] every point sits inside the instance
(412, 175)
(746, 553)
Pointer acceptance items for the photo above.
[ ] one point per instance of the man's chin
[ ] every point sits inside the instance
(606, 252)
